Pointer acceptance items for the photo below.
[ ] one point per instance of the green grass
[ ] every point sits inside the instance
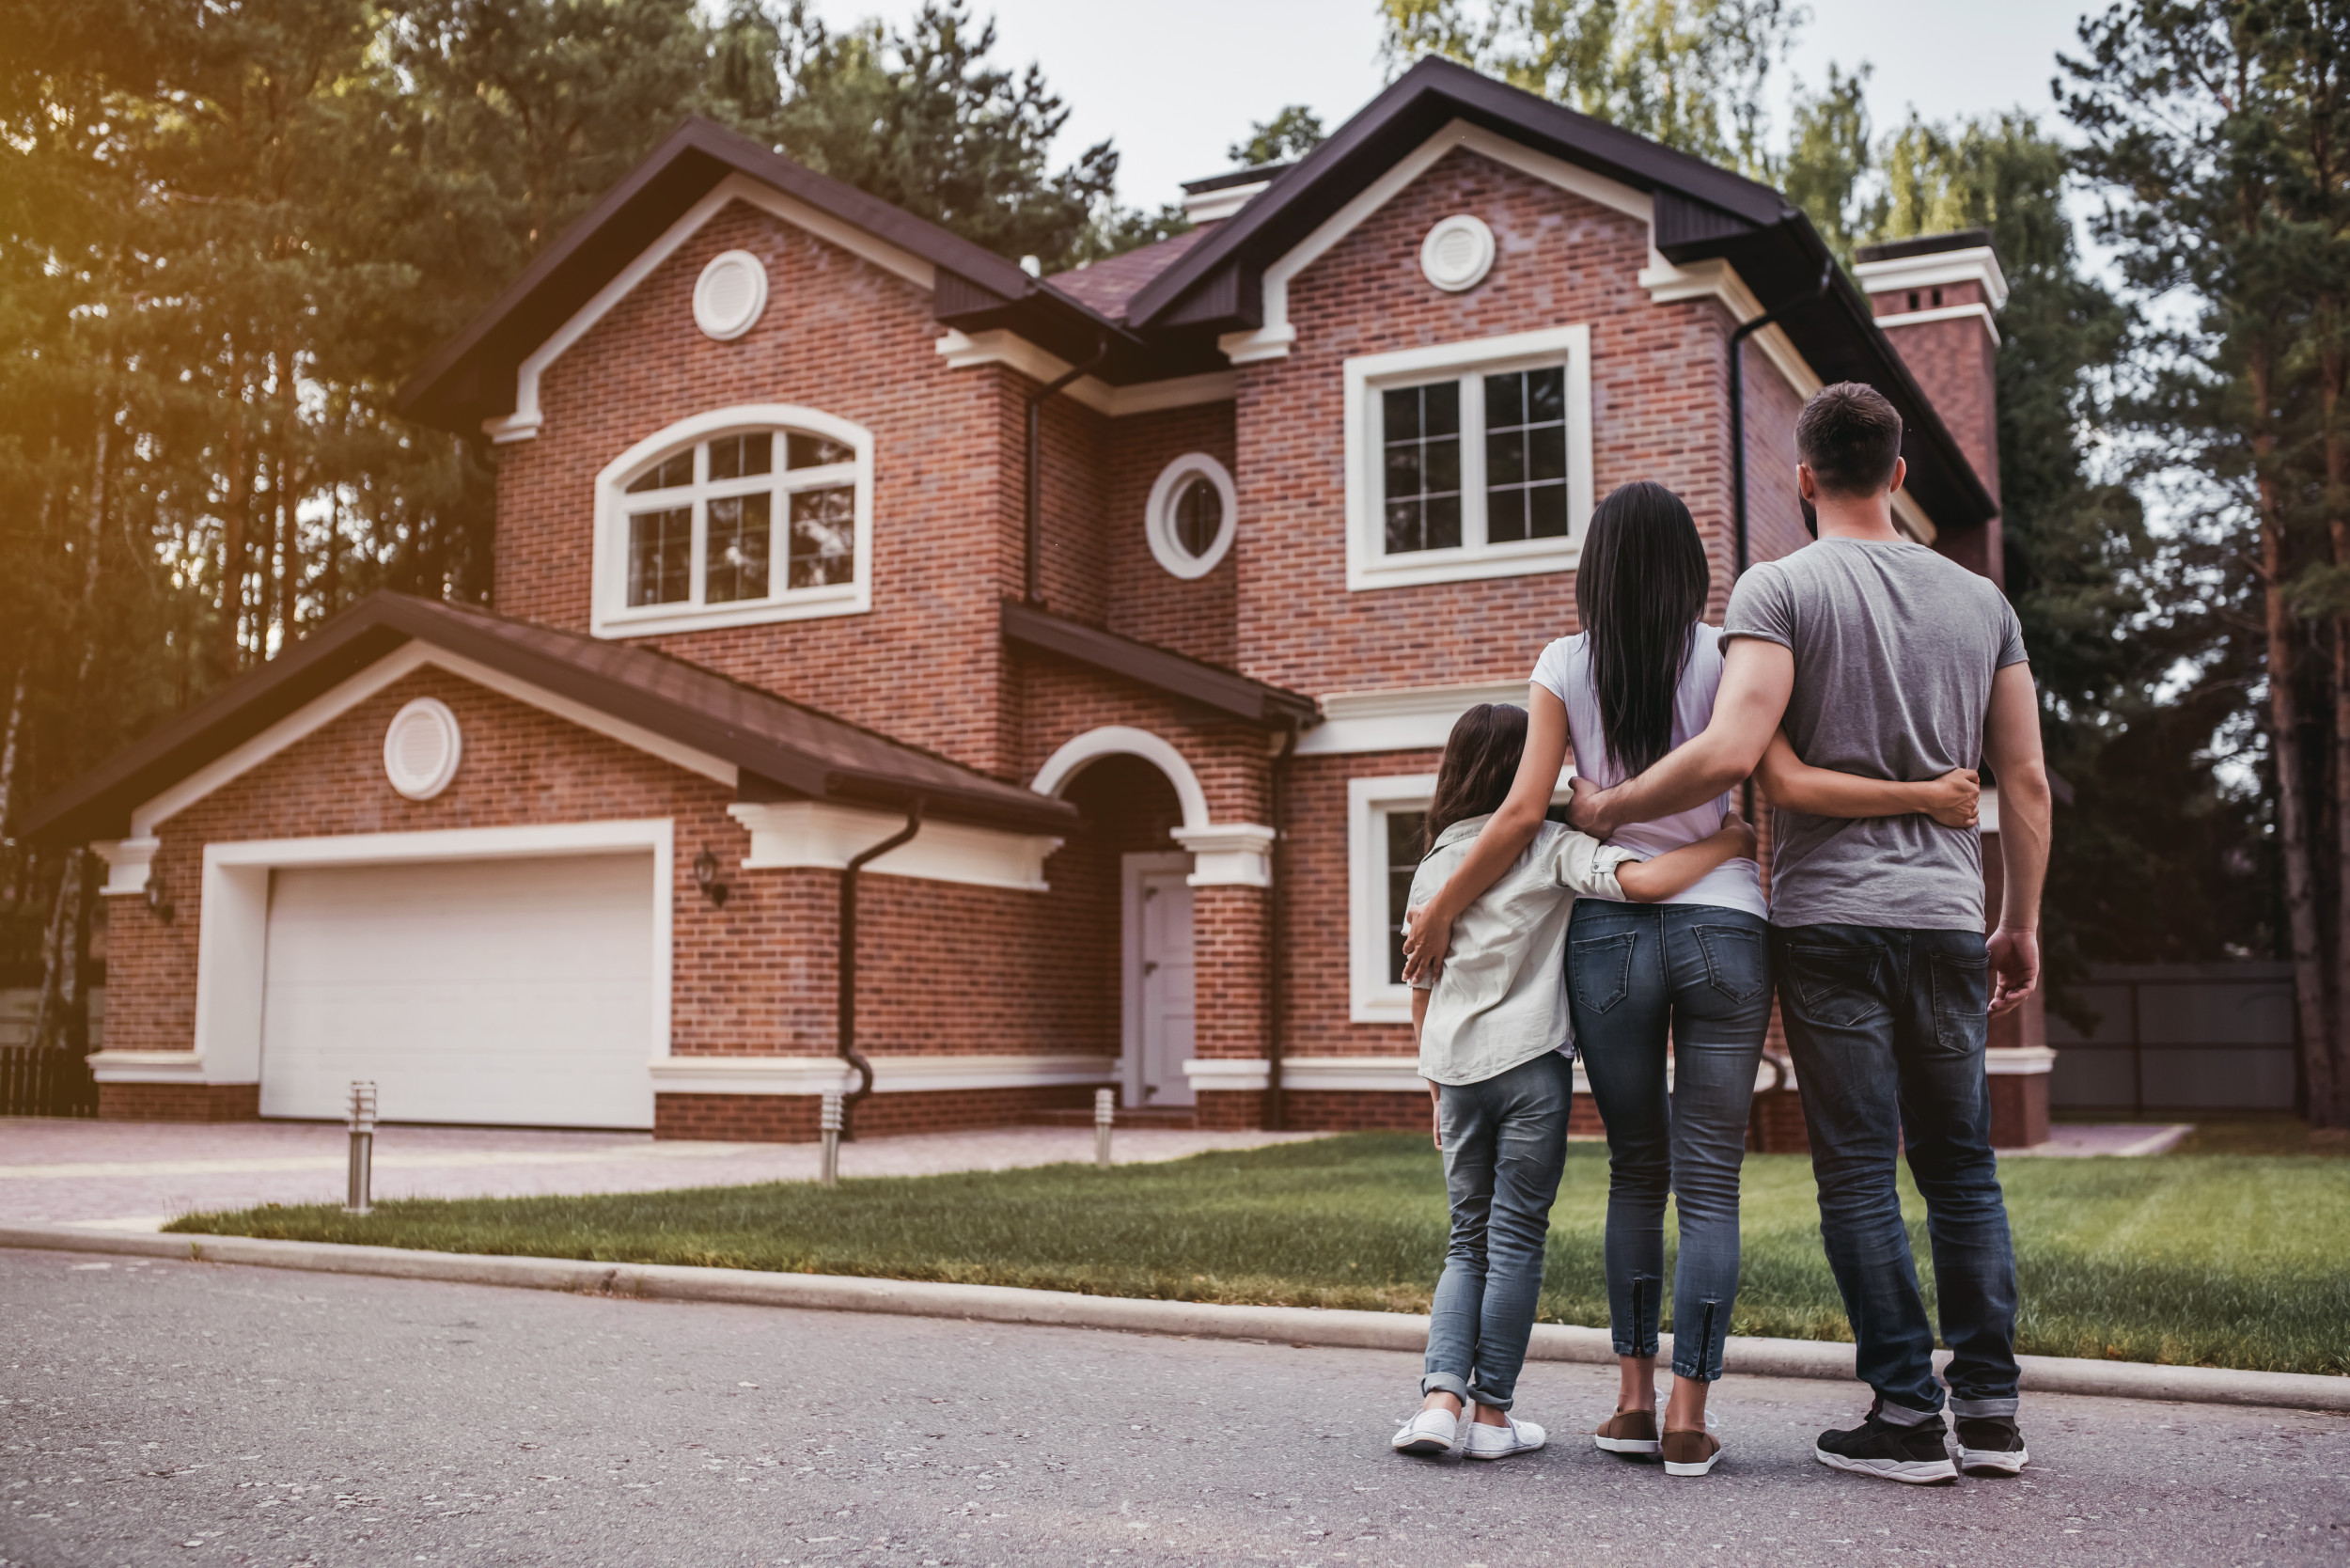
(2218, 1260)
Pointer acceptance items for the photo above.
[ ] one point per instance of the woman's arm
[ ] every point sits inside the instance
(1677, 871)
(1498, 848)
(1435, 1100)
(1795, 785)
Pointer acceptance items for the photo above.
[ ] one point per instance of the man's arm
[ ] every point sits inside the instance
(2011, 744)
(1757, 678)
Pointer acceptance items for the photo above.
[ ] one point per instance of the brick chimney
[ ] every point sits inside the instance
(1934, 297)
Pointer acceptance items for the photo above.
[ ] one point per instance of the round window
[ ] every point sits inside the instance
(1190, 517)
(1457, 253)
(729, 295)
(421, 748)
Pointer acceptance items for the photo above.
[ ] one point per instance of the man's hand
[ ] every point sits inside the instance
(1425, 942)
(1587, 808)
(2015, 969)
(1956, 798)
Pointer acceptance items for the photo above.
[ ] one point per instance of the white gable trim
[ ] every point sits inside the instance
(322, 710)
(1272, 340)
(524, 422)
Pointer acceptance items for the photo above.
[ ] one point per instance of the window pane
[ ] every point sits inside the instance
(671, 473)
(1421, 466)
(1505, 401)
(1504, 515)
(824, 536)
(1505, 458)
(661, 557)
(1402, 830)
(1546, 395)
(816, 451)
(1198, 517)
(734, 457)
(1547, 452)
(735, 565)
(1526, 455)
(1547, 503)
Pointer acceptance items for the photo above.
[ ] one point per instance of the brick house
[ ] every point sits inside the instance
(1143, 595)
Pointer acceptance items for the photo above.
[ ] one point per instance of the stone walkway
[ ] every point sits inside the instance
(136, 1175)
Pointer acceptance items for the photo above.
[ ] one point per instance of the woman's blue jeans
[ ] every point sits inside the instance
(1700, 976)
(1505, 1144)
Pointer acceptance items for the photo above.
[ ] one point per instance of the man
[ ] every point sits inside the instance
(1881, 658)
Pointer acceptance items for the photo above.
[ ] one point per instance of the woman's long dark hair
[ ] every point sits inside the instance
(1638, 590)
(1480, 760)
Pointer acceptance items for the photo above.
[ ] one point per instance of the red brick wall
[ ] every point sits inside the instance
(792, 1117)
(179, 1102)
(1192, 616)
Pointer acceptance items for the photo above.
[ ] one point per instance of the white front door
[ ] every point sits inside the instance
(1158, 1009)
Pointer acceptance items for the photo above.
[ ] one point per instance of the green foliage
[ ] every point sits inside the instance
(1290, 134)
(2212, 1260)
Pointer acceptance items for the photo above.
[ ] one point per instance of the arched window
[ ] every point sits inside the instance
(734, 517)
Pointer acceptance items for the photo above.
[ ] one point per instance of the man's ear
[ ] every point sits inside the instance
(1808, 483)
(1901, 472)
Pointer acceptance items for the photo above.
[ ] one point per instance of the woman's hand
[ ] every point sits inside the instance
(1436, 1115)
(1955, 799)
(1426, 940)
(1742, 832)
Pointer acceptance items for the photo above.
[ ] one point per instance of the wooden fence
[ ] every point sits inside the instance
(45, 1083)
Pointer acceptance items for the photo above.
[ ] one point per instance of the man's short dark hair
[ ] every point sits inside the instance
(1850, 437)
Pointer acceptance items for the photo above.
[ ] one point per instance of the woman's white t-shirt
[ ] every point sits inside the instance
(1564, 670)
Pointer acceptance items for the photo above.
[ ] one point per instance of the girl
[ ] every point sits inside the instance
(1493, 1047)
(1691, 972)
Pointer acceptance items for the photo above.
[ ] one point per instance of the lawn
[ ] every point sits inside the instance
(2221, 1260)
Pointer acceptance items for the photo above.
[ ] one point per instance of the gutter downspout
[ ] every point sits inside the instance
(1277, 1105)
(1032, 567)
(847, 962)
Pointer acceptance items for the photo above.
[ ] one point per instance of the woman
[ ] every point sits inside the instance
(1692, 971)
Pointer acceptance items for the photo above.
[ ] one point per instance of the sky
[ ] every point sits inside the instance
(1174, 83)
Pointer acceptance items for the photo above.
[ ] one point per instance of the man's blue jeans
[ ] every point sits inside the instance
(1699, 974)
(1505, 1143)
(1886, 1028)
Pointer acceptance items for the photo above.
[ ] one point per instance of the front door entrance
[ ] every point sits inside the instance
(1158, 979)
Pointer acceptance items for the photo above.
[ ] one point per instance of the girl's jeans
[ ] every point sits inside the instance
(1505, 1143)
(1636, 973)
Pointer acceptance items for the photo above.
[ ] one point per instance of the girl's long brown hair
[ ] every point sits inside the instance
(1480, 760)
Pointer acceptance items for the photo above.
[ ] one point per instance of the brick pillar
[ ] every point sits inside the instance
(1230, 953)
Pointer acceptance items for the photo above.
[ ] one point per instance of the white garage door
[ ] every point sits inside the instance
(513, 992)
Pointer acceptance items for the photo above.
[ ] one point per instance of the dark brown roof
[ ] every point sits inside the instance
(1108, 284)
(783, 748)
(1179, 675)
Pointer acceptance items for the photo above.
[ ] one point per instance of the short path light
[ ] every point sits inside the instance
(362, 1147)
(1105, 1113)
(828, 1126)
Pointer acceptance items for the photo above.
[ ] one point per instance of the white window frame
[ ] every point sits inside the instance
(1368, 564)
(1372, 998)
(611, 614)
(1159, 515)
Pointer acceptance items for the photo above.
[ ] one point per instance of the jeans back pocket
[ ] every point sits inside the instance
(1835, 987)
(1962, 1001)
(1600, 970)
(1736, 961)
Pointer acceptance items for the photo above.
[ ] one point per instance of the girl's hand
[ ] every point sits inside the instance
(1742, 831)
(1955, 799)
(1426, 939)
(1436, 1115)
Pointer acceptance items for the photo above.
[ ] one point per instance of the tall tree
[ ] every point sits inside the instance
(1290, 134)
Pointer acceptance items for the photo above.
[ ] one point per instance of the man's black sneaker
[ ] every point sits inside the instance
(1916, 1454)
(1990, 1446)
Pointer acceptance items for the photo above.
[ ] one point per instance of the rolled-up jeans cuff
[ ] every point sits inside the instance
(1625, 1347)
(1971, 1409)
(1479, 1396)
(1444, 1382)
(1902, 1415)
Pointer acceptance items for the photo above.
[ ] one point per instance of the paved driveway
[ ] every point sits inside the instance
(189, 1414)
(138, 1174)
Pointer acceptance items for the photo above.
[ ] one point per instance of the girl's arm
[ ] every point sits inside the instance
(1436, 1101)
(1677, 870)
(1793, 784)
(1498, 848)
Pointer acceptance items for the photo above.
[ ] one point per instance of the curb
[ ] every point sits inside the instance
(1302, 1327)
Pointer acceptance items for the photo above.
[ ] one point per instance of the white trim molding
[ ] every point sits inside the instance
(147, 1067)
(1361, 1074)
(2004, 1060)
(234, 932)
(610, 615)
(1158, 520)
(1229, 854)
(1368, 564)
(1942, 268)
(1987, 813)
(1413, 718)
(1979, 310)
(806, 833)
(129, 861)
(527, 419)
(1221, 203)
(1114, 740)
(1276, 337)
(963, 351)
(891, 1074)
(1232, 1075)
(1911, 518)
(1371, 997)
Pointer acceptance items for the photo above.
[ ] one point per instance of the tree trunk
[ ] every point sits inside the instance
(12, 863)
(228, 644)
(61, 959)
(2284, 723)
(2332, 1111)
(91, 536)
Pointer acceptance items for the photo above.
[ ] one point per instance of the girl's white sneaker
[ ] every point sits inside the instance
(1430, 1431)
(1500, 1442)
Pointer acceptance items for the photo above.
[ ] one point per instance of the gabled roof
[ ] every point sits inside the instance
(783, 748)
(1225, 691)
(1108, 284)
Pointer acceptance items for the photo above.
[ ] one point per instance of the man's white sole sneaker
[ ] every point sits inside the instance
(1430, 1431)
(1993, 1462)
(1917, 1472)
(1500, 1442)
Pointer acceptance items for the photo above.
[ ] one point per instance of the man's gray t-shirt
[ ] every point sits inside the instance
(1895, 648)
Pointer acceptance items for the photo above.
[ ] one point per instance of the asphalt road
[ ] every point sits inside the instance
(188, 1414)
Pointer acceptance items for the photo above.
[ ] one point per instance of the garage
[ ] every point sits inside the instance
(510, 992)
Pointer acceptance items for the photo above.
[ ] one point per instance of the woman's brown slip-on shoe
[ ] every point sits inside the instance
(1628, 1432)
(1690, 1453)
